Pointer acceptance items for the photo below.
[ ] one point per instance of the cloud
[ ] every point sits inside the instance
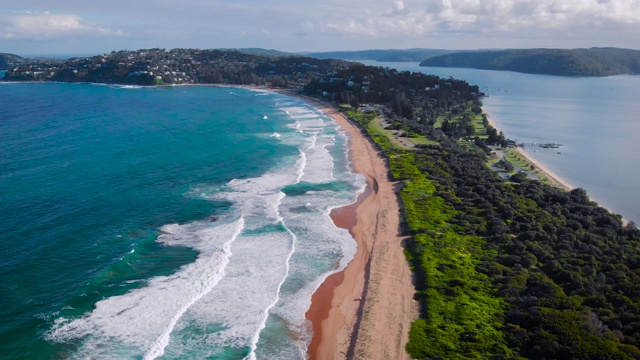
(508, 15)
(353, 27)
(398, 8)
(484, 18)
(306, 29)
(44, 26)
(399, 20)
(322, 24)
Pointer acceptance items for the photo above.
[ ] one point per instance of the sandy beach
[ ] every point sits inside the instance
(365, 311)
(555, 180)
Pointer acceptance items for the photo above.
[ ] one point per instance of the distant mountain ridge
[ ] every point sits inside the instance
(392, 55)
(260, 52)
(563, 62)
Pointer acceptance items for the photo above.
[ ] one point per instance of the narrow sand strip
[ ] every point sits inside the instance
(365, 311)
(556, 180)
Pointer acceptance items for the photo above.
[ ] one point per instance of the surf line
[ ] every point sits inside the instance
(256, 337)
(158, 346)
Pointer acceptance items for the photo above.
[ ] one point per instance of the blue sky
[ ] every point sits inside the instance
(85, 27)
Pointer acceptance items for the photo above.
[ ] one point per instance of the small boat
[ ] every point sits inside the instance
(265, 117)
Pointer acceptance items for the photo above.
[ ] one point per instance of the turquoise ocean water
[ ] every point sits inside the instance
(595, 118)
(173, 223)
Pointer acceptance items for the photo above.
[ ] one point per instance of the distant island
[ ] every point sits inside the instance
(563, 62)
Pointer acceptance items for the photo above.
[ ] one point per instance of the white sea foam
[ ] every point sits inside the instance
(119, 86)
(260, 92)
(256, 336)
(253, 274)
(142, 319)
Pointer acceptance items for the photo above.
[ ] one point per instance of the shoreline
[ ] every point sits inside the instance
(554, 178)
(372, 298)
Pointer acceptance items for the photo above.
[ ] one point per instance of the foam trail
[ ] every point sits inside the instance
(325, 148)
(248, 290)
(158, 346)
(256, 337)
(136, 322)
(303, 161)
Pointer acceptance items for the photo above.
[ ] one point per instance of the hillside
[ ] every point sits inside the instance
(177, 66)
(563, 62)
(7, 60)
(260, 52)
(409, 55)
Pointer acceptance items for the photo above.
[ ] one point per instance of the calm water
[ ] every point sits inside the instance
(184, 222)
(596, 119)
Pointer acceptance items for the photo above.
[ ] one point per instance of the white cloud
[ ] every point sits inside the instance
(353, 27)
(43, 26)
(398, 8)
(500, 18)
(306, 29)
(323, 24)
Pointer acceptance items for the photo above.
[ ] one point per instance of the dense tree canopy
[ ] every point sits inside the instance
(571, 62)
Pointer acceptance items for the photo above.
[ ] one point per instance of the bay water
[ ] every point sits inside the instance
(596, 119)
(171, 222)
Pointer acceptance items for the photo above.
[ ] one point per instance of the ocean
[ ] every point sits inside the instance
(594, 118)
(173, 222)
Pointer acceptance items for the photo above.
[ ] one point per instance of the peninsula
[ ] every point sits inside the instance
(503, 268)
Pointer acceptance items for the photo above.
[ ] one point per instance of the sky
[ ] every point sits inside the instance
(37, 27)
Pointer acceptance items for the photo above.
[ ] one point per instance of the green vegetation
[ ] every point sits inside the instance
(567, 62)
(179, 66)
(421, 140)
(461, 315)
(513, 269)
(516, 159)
(361, 118)
(504, 269)
(513, 157)
(464, 120)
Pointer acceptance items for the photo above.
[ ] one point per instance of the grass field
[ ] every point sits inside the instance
(512, 156)
(376, 126)
(422, 141)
